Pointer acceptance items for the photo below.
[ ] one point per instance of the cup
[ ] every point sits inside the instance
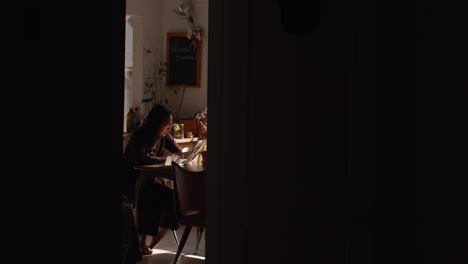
(189, 134)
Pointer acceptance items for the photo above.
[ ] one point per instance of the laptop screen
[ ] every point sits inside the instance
(191, 155)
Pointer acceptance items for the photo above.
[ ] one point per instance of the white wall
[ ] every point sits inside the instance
(147, 34)
(158, 19)
(195, 99)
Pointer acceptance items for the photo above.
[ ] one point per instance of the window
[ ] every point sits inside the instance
(128, 87)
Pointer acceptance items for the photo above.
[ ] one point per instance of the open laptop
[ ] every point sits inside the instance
(191, 155)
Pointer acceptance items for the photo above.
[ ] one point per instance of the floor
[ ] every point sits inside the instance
(165, 252)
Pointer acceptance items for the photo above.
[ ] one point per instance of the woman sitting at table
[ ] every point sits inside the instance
(151, 143)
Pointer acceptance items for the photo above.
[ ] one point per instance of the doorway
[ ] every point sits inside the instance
(147, 26)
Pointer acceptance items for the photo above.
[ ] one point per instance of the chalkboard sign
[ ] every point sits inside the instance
(183, 61)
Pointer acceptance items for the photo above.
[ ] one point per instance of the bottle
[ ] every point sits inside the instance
(130, 117)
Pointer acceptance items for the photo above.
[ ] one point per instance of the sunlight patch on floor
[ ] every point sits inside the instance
(160, 256)
(161, 251)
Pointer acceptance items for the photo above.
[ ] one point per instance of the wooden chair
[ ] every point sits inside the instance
(189, 191)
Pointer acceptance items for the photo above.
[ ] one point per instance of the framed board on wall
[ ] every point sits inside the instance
(183, 57)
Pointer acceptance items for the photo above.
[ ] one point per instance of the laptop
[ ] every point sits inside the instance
(191, 155)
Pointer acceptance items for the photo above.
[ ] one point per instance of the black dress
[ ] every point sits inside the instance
(156, 201)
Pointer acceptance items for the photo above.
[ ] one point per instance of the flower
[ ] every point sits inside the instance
(202, 123)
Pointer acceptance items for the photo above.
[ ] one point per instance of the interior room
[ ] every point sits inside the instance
(367, 97)
(148, 23)
(159, 70)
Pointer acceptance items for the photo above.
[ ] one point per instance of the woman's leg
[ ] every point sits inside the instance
(145, 250)
(157, 238)
(157, 214)
(168, 218)
(149, 212)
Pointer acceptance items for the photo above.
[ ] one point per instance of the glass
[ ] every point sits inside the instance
(178, 130)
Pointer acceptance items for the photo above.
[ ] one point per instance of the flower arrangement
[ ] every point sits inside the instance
(202, 126)
(202, 123)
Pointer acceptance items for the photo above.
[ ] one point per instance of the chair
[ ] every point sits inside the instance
(189, 191)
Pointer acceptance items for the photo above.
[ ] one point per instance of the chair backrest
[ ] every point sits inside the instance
(189, 188)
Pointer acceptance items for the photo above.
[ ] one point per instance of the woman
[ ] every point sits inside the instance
(151, 143)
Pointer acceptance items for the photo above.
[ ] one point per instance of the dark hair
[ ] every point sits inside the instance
(151, 123)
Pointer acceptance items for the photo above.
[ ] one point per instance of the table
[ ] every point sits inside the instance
(164, 171)
(182, 142)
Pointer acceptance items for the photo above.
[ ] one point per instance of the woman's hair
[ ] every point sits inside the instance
(147, 131)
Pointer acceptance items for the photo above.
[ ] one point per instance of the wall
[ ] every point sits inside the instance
(147, 35)
(158, 19)
(379, 174)
(287, 195)
(64, 87)
(195, 99)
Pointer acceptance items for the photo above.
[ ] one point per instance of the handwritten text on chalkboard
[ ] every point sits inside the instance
(183, 61)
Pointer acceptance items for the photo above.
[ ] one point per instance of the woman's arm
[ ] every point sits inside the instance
(172, 146)
(141, 155)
